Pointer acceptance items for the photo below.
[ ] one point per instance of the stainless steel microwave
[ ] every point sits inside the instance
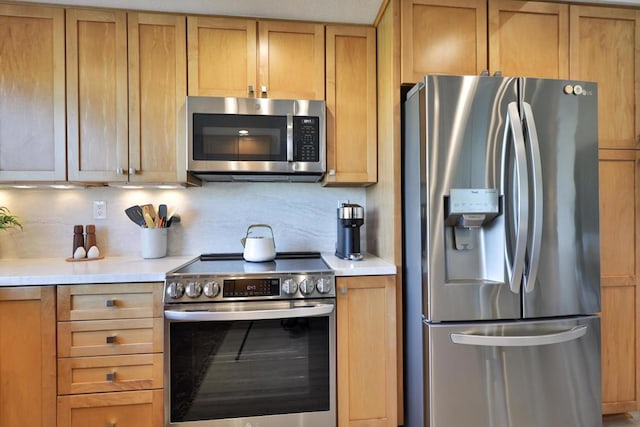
(255, 139)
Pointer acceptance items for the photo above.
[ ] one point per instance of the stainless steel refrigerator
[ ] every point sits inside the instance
(501, 253)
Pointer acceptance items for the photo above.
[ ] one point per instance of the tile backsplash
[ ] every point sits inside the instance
(214, 218)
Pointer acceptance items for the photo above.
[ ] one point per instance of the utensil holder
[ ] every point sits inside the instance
(153, 242)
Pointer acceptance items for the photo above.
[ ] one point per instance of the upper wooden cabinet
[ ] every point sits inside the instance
(126, 89)
(443, 38)
(351, 105)
(32, 99)
(529, 39)
(605, 44)
(157, 97)
(227, 56)
(97, 117)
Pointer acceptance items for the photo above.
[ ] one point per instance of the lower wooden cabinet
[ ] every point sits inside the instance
(366, 343)
(110, 360)
(27, 356)
(124, 409)
(619, 264)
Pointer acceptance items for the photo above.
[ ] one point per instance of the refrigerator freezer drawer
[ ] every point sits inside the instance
(514, 374)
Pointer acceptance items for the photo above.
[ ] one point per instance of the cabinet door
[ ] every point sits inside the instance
(157, 93)
(619, 190)
(604, 48)
(28, 362)
(351, 105)
(32, 100)
(529, 39)
(222, 56)
(366, 340)
(443, 38)
(97, 119)
(291, 60)
(124, 409)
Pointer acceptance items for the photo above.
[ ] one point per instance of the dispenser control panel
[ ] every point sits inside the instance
(472, 207)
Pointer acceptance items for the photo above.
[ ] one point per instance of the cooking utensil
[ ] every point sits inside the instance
(135, 214)
(258, 248)
(162, 216)
(151, 210)
(147, 217)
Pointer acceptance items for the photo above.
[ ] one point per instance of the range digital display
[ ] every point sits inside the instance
(251, 288)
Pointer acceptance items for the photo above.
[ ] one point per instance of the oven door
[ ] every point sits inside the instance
(250, 364)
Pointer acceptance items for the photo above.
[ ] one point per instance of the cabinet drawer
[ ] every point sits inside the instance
(126, 409)
(109, 373)
(110, 337)
(112, 301)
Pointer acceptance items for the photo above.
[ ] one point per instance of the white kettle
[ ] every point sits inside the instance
(258, 248)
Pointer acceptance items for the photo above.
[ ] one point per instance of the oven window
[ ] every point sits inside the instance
(249, 368)
(239, 137)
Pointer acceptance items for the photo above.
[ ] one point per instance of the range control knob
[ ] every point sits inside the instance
(323, 285)
(175, 290)
(211, 289)
(289, 287)
(307, 287)
(193, 290)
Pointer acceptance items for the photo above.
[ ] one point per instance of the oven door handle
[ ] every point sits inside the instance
(206, 315)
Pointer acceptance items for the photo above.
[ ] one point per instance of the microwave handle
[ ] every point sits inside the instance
(289, 138)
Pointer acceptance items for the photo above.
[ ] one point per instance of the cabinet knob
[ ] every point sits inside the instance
(111, 339)
(263, 91)
(343, 290)
(132, 171)
(110, 303)
(332, 172)
(119, 171)
(111, 425)
(252, 93)
(111, 376)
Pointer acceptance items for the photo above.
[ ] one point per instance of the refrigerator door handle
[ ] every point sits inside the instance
(516, 269)
(520, 341)
(535, 241)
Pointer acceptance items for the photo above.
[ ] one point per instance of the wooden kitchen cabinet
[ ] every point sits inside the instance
(32, 98)
(366, 348)
(110, 354)
(126, 409)
(97, 119)
(351, 105)
(126, 88)
(157, 96)
(619, 190)
(443, 38)
(529, 39)
(28, 361)
(227, 55)
(605, 48)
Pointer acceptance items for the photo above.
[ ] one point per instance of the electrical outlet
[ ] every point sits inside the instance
(99, 209)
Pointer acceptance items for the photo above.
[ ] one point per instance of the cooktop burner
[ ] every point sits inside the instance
(228, 277)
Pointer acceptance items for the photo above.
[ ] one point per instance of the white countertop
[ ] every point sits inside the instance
(57, 271)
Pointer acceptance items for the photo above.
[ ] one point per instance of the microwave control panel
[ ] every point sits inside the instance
(306, 139)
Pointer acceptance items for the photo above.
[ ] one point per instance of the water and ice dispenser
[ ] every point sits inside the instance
(472, 237)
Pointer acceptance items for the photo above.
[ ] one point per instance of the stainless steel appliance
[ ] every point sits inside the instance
(250, 344)
(501, 253)
(350, 219)
(255, 139)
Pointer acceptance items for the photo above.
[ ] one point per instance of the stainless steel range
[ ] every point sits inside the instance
(250, 344)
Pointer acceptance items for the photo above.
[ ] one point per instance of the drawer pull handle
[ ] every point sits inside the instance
(110, 303)
(110, 425)
(111, 376)
(111, 339)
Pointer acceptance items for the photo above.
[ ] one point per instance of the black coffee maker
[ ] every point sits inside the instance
(350, 219)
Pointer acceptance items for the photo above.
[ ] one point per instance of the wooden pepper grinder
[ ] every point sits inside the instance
(78, 238)
(91, 237)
